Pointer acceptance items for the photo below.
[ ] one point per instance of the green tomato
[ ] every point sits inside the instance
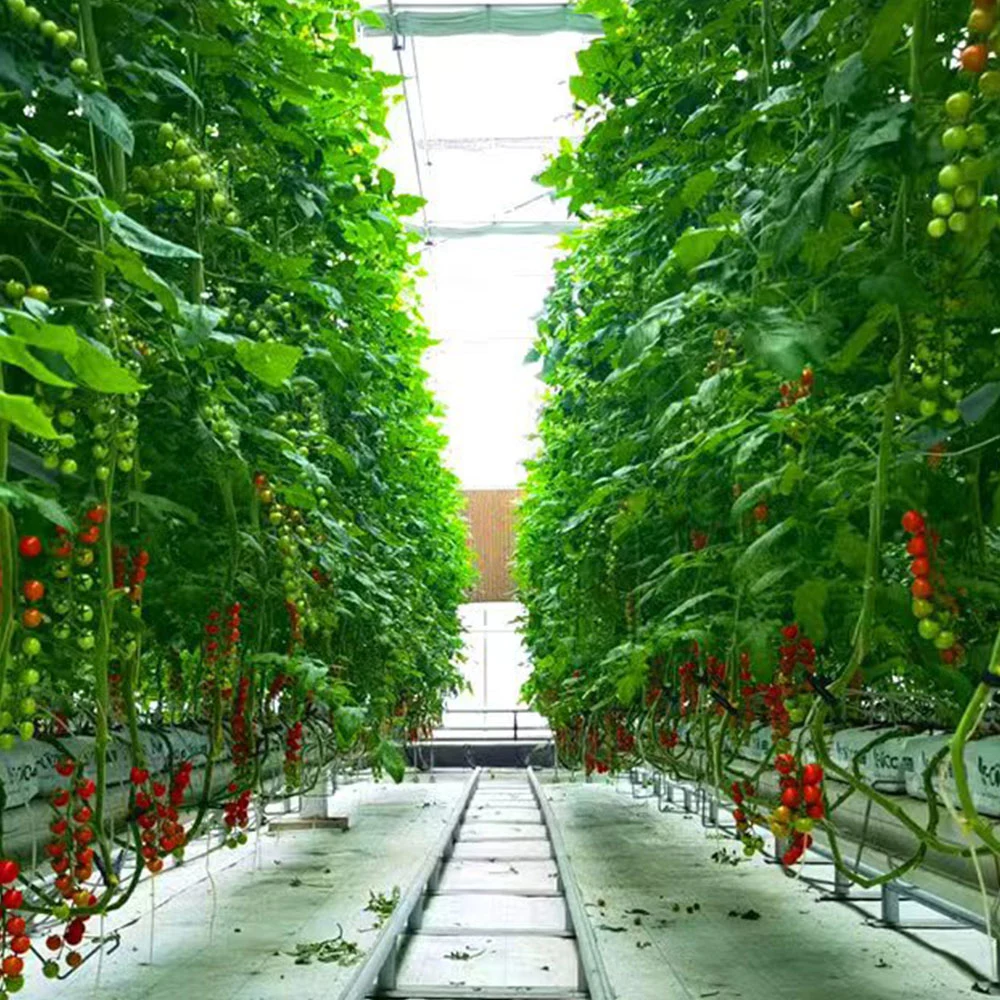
(85, 613)
(219, 201)
(955, 138)
(182, 147)
(78, 67)
(6, 718)
(28, 706)
(48, 29)
(51, 460)
(26, 730)
(977, 136)
(957, 222)
(958, 105)
(102, 473)
(922, 608)
(943, 203)
(31, 16)
(928, 628)
(50, 970)
(951, 415)
(928, 407)
(165, 133)
(14, 984)
(86, 640)
(66, 418)
(66, 39)
(966, 196)
(989, 84)
(16, 6)
(61, 912)
(945, 640)
(68, 466)
(39, 292)
(950, 176)
(7, 741)
(31, 646)
(125, 463)
(30, 677)
(931, 381)
(937, 228)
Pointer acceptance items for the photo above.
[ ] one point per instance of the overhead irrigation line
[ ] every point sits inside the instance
(413, 19)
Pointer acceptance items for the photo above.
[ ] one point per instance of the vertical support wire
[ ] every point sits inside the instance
(397, 47)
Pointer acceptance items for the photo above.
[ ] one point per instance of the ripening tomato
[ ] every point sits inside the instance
(13, 965)
(921, 588)
(33, 590)
(760, 512)
(973, 58)
(31, 618)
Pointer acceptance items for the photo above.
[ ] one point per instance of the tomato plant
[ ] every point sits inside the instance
(761, 354)
(221, 498)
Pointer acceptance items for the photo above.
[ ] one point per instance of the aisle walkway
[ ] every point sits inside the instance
(674, 924)
(496, 926)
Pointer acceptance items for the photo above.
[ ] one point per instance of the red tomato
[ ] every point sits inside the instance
(920, 566)
(791, 797)
(812, 774)
(15, 926)
(917, 546)
(913, 522)
(9, 870)
(30, 546)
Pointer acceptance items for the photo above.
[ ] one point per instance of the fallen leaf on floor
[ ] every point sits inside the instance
(644, 944)
(608, 927)
(464, 955)
(639, 910)
(882, 964)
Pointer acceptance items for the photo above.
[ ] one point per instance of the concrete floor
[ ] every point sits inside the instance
(295, 889)
(640, 871)
(671, 922)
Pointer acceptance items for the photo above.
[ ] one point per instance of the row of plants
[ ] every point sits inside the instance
(767, 494)
(221, 500)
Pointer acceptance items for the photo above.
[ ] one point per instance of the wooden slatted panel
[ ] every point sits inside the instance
(490, 515)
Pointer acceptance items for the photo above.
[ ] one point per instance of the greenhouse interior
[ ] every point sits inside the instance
(500, 500)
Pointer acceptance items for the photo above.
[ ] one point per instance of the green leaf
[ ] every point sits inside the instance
(109, 118)
(162, 507)
(130, 266)
(273, 363)
(49, 336)
(807, 606)
(390, 759)
(801, 28)
(17, 496)
(751, 562)
(696, 187)
(94, 366)
(26, 415)
(138, 237)
(886, 29)
(844, 80)
(695, 246)
(16, 352)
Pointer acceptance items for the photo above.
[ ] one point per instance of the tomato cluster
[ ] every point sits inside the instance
(959, 180)
(293, 756)
(796, 390)
(801, 804)
(161, 832)
(935, 609)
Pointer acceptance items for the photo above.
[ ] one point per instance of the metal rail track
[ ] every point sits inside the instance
(378, 976)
